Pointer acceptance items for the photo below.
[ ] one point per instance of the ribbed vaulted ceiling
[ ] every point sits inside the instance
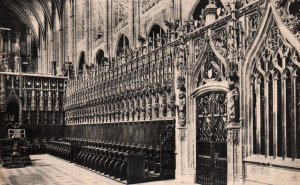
(34, 13)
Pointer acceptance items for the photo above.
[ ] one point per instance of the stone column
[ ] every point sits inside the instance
(41, 101)
(50, 50)
(233, 137)
(90, 30)
(28, 39)
(72, 34)
(44, 57)
(20, 95)
(110, 28)
(1, 41)
(107, 28)
(18, 61)
(234, 140)
(17, 46)
(40, 60)
(137, 21)
(49, 101)
(60, 51)
(176, 12)
(131, 21)
(32, 100)
(9, 42)
(87, 30)
(234, 147)
(180, 117)
(2, 92)
(25, 101)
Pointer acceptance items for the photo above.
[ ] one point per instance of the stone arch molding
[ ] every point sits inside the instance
(12, 97)
(155, 23)
(116, 42)
(252, 68)
(202, 60)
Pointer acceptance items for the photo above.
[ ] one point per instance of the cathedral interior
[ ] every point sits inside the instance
(150, 91)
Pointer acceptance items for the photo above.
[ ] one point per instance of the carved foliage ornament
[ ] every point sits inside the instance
(233, 136)
(147, 4)
(253, 23)
(199, 47)
(219, 38)
(211, 117)
(168, 141)
(182, 134)
(289, 12)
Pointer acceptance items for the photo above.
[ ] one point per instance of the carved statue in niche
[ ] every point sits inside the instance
(156, 105)
(132, 109)
(199, 47)
(233, 137)
(171, 103)
(149, 110)
(127, 109)
(143, 107)
(222, 101)
(204, 105)
(164, 104)
(233, 99)
(137, 108)
(182, 109)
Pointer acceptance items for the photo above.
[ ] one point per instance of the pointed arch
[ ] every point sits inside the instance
(99, 57)
(269, 16)
(219, 65)
(122, 45)
(272, 57)
(155, 26)
(81, 62)
(200, 6)
(156, 36)
(12, 108)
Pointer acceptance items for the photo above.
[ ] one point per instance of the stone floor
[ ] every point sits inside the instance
(48, 170)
